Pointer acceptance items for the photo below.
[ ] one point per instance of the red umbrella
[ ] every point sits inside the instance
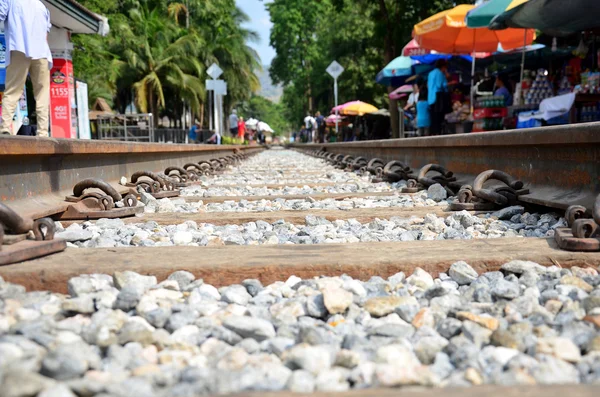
(413, 48)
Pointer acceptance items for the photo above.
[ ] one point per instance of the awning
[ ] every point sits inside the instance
(74, 17)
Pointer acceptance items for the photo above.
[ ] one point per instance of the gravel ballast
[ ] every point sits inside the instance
(127, 334)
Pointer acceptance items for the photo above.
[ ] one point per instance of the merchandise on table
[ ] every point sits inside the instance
(541, 88)
(589, 112)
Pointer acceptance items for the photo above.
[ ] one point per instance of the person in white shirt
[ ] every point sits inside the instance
(26, 26)
(413, 98)
(310, 124)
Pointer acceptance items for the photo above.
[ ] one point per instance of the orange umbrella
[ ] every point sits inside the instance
(447, 32)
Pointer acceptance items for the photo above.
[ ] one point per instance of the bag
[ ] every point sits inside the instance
(443, 103)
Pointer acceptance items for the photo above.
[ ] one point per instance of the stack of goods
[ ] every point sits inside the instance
(540, 89)
(589, 112)
(564, 86)
(489, 113)
(590, 83)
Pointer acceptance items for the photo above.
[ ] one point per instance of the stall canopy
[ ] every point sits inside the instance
(482, 15)
(74, 17)
(355, 108)
(396, 72)
(447, 32)
(553, 17)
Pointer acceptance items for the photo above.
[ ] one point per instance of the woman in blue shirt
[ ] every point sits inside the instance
(437, 83)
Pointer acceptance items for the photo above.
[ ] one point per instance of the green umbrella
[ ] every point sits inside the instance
(553, 17)
(481, 16)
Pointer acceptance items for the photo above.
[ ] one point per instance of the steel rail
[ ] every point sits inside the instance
(559, 165)
(37, 173)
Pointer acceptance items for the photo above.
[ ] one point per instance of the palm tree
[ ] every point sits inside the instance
(158, 53)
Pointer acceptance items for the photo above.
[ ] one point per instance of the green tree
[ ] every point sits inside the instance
(294, 39)
(158, 50)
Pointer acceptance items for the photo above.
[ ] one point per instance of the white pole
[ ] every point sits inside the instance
(473, 83)
(520, 90)
(335, 94)
(216, 112)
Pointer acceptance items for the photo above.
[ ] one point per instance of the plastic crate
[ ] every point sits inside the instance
(489, 113)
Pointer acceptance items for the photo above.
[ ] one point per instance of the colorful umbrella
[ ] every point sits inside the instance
(330, 121)
(448, 33)
(357, 108)
(553, 17)
(413, 48)
(396, 72)
(401, 92)
(482, 15)
(340, 107)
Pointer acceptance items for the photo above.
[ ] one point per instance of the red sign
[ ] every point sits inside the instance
(62, 99)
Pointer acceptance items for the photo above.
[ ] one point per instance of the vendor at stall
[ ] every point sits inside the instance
(438, 96)
(502, 89)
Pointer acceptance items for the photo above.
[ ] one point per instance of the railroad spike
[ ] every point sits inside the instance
(583, 233)
(477, 197)
(16, 244)
(93, 204)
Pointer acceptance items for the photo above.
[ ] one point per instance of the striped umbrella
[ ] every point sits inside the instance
(482, 15)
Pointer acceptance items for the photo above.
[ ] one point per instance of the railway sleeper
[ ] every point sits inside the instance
(22, 239)
(583, 233)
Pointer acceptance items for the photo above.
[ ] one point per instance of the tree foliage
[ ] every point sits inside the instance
(362, 35)
(157, 53)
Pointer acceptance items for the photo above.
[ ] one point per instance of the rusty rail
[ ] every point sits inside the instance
(37, 173)
(559, 165)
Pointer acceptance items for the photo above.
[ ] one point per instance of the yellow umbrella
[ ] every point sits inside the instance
(447, 32)
(358, 108)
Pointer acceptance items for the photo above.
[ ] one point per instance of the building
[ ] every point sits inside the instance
(67, 17)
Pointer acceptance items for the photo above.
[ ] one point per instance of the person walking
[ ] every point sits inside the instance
(26, 27)
(193, 134)
(233, 123)
(309, 124)
(321, 124)
(438, 96)
(241, 129)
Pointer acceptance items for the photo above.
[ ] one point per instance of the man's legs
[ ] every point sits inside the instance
(40, 79)
(16, 75)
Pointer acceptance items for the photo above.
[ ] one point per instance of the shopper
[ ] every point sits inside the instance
(423, 115)
(233, 123)
(413, 98)
(321, 125)
(309, 124)
(438, 96)
(193, 134)
(26, 28)
(241, 129)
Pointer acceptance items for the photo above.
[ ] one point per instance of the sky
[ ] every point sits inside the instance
(260, 23)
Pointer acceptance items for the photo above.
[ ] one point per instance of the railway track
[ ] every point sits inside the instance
(283, 272)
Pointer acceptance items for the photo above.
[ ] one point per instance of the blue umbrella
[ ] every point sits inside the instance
(396, 72)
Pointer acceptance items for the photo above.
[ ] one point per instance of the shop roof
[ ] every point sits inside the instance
(71, 15)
